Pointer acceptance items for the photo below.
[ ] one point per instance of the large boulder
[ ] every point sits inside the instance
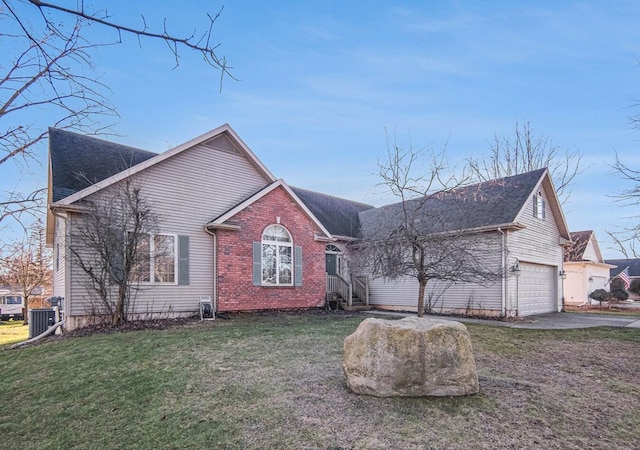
(411, 357)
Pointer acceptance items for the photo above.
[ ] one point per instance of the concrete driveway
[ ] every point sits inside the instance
(551, 321)
(563, 320)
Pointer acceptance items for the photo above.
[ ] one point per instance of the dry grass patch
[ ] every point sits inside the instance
(276, 381)
(13, 331)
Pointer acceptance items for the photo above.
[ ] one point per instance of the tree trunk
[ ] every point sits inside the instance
(25, 311)
(423, 285)
(118, 315)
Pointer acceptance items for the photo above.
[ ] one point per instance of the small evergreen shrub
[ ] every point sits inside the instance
(618, 291)
(635, 286)
(600, 295)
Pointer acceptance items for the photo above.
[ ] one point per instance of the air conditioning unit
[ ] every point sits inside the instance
(40, 320)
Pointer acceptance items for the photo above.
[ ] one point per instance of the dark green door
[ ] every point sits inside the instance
(331, 263)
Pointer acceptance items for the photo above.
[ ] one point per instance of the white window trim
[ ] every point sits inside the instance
(278, 244)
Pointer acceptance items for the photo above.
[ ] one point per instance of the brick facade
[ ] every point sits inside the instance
(235, 289)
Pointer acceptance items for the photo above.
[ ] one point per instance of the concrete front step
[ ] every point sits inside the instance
(355, 306)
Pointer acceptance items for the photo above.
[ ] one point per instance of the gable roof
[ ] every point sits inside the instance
(78, 161)
(632, 264)
(145, 160)
(340, 216)
(221, 220)
(483, 206)
(580, 240)
(546, 184)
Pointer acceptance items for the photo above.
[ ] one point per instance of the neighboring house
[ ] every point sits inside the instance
(12, 301)
(251, 242)
(586, 270)
(633, 266)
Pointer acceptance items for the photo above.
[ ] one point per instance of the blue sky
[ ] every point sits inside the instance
(319, 82)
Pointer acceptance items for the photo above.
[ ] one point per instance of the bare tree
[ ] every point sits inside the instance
(424, 235)
(47, 71)
(525, 152)
(110, 244)
(627, 238)
(28, 264)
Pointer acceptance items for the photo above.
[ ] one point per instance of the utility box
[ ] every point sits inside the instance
(56, 301)
(40, 320)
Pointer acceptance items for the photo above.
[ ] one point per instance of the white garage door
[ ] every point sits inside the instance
(537, 289)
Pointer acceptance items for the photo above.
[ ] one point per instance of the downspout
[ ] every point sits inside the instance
(67, 268)
(215, 268)
(589, 279)
(505, 282)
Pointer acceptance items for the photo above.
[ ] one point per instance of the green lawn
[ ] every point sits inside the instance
(13, 331)
(276, 382)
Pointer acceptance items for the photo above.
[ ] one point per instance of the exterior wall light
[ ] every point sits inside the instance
(562, 274)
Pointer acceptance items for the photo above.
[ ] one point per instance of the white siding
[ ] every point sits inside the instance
(575, 286)
(467, 298)
(582, 279)
(186, 191)
(538, 243)
(400, 294)
(590, 252)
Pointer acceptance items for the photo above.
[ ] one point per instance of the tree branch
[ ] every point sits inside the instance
(207, 50)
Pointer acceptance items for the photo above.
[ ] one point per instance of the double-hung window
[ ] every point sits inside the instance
(155, 260)
(538, 206)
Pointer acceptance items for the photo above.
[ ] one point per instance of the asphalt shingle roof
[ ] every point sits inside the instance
(486, 204)
(575, 252)
(338, 215)
(633, 264)
(78, 161)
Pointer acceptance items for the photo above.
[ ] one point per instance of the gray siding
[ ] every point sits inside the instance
(445, 296)
(60, 255)
(186, 191)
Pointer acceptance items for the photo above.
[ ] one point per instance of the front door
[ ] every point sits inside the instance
(331, 263)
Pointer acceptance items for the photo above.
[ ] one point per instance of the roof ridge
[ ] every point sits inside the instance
(331, 196)
(477, 185)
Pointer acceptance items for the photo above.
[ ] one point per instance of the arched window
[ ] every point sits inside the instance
(330, 248)
(277, 256)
